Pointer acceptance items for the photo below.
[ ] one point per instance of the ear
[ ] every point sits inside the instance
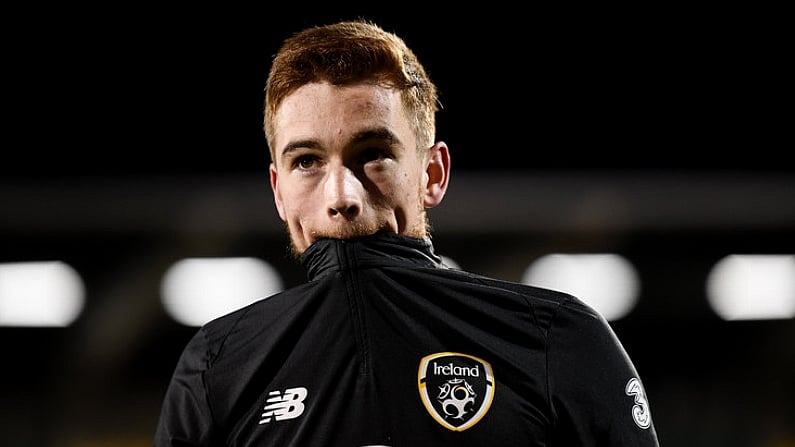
(277, 195)
(437, 174)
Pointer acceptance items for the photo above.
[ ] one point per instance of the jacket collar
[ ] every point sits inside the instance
(376, 250)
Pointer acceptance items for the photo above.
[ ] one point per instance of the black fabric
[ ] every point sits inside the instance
(340, 357)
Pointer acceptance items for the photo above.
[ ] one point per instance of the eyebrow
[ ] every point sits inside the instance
(376, 133)
(299, 144)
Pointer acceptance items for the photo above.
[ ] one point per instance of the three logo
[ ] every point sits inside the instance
(640, 411)
(456, 389)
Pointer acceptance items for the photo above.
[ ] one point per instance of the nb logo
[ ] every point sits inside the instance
(280, 406)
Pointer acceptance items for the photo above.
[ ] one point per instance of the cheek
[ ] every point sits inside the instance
(293, 199)
(295, 204)
(406, 191)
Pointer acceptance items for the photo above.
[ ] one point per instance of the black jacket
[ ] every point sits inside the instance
(386, 346)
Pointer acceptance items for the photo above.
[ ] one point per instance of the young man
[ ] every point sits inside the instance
(385, 345)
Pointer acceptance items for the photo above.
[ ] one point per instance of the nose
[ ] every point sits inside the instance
(343, 192)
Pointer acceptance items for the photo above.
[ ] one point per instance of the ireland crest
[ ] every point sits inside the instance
(456, 389)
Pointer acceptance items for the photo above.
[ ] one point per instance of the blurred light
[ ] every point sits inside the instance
(450, 262)
(38, 294)
(753, 287)
(607, 282)
(197, 290)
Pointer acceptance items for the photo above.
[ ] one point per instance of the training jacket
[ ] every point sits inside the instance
(386, 346)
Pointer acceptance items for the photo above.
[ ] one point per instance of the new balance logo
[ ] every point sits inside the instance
(284, 406)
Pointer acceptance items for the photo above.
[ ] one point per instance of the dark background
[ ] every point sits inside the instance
(132, 138)
(165, 90)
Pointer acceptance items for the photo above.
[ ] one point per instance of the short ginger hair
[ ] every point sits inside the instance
(351, 52)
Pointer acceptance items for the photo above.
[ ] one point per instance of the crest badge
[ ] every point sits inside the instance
(456, 389)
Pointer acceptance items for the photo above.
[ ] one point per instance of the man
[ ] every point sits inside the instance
(385, 345)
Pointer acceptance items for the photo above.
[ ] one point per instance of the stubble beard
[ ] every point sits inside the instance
(355, 230)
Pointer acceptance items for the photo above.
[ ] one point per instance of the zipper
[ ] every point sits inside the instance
(351, 276)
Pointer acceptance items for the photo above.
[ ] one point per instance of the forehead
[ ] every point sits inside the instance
(321, 111)
(361, 97)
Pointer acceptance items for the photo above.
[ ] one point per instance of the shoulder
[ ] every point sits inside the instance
(546, 303)
(250, 322)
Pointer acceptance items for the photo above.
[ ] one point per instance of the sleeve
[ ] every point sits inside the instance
(185, 416)
(596, 396)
